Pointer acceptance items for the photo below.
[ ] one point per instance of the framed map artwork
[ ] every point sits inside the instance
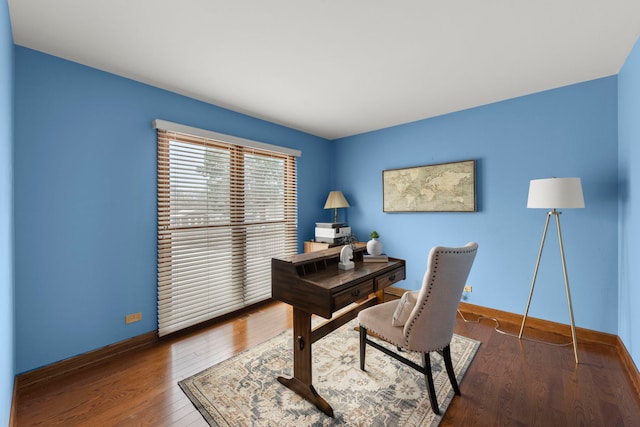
(445, 187)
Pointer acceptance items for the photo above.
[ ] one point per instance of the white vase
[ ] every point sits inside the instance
(374, 247)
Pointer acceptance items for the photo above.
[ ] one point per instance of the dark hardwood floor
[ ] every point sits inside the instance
(511, 382)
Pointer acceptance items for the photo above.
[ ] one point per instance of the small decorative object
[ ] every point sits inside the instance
(346, 256)
(351, 240)
(374, 246)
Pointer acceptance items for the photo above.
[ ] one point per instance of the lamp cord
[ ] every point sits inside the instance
(497, 329)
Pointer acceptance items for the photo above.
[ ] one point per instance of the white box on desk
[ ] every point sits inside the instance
(333, 233)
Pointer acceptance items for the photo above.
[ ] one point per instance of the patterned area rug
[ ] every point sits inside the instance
(243, 390)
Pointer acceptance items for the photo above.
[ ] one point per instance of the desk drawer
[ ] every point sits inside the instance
(353, 294)
(389, 278)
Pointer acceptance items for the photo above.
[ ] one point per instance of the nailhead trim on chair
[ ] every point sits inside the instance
(430, 286)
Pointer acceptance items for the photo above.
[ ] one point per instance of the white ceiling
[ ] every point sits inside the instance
(335, 68)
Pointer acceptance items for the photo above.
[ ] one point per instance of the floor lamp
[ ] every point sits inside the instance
(554, 193)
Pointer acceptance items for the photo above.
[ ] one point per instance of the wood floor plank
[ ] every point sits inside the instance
(510, 382)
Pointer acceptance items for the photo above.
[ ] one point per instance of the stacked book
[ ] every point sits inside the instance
(375, 258)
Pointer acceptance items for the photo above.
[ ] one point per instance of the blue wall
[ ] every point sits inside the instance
(6, 216)
(571, 131)
(7, 343)
(85, 200)
(629, 211)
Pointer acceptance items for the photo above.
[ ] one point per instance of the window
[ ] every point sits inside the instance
(224, 210)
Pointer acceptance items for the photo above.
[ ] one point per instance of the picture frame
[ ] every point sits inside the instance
(443, 187)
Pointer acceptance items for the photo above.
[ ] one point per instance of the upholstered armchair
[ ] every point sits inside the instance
(422, 321)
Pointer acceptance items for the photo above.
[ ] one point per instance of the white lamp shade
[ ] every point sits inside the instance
(554, 193)
(336, 200)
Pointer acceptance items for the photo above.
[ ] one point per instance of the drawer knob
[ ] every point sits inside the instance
(355, 293)
(392, 278)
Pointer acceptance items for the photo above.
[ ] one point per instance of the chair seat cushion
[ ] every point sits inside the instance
(376, 319)
(403, 310)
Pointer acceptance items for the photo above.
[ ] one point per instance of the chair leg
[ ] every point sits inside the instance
(363, 343)
(446, 355)
(426, 361)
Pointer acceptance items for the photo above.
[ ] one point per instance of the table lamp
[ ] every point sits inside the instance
(334, 201)
(554, 193)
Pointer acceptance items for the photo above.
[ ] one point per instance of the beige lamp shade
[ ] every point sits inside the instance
(555, 193)
(336, 200)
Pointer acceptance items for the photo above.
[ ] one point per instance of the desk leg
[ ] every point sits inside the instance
(301, 381)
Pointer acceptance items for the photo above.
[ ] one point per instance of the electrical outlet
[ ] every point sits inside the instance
(135, 317)
(468, 288)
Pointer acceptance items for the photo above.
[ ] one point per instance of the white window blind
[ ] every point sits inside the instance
(224, 210)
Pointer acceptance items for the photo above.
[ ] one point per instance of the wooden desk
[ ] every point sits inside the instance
(313, 284)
